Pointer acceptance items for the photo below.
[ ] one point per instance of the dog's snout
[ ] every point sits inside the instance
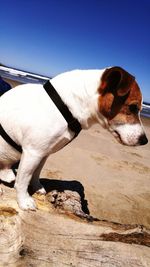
(143, 140)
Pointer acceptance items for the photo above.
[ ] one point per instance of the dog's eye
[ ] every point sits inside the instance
(134, 108)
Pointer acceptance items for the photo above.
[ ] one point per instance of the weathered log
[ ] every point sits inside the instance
(61, 234)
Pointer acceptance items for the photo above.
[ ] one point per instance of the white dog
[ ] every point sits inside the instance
(110, 97)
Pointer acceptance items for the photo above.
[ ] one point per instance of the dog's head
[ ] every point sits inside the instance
(120, 102)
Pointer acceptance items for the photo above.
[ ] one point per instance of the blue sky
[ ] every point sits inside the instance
(50, 37)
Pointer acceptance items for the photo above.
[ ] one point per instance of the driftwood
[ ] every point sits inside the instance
(62, 233)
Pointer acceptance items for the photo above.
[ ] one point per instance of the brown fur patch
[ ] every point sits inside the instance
(118, 93)
(117, 80)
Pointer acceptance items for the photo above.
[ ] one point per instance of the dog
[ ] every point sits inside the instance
(110, 97)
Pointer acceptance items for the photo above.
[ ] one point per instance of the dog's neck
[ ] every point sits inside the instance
(79, 91)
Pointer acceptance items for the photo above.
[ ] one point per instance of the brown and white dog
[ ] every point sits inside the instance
(110, 97)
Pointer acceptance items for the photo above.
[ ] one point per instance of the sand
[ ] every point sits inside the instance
(115, 178)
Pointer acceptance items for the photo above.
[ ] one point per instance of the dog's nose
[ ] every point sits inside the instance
(143, 140)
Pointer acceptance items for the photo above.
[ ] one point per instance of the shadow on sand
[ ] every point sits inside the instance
(60, 186)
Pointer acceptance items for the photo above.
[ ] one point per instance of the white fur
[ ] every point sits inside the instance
(33, 121)
(130, 133)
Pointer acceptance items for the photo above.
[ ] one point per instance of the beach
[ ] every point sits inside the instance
(115, 178)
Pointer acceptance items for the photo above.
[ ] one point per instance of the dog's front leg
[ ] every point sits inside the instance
(29, 161)
(35, 183)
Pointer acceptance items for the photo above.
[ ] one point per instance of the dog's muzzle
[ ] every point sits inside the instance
(143, 140)
(130, 134)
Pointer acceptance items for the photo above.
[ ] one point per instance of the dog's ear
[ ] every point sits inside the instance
(115, 85)
(116, 80)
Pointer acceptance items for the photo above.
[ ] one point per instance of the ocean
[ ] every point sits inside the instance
(27, 77)
(22, 76)
(145, 110)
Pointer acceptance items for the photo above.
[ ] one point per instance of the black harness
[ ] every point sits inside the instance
(73, 123)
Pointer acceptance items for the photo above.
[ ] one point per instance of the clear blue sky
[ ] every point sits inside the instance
(50, 37)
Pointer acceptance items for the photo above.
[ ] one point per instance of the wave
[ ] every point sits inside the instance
(22, 76)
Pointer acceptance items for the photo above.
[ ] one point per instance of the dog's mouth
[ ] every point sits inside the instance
(115, 133)
(117, 136)
(129, 134)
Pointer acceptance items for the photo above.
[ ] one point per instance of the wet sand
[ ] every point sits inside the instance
(115, 178)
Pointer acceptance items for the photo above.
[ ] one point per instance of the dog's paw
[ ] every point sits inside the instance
(38, 187)
(7, 175)
(41, 191)
(27, 203)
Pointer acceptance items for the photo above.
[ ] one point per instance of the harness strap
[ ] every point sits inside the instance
(73, 123)
(9, 140)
